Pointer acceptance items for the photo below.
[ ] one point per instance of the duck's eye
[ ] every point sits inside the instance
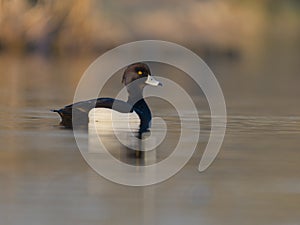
(139, 72)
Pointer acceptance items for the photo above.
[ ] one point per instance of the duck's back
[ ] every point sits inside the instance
(83, 108)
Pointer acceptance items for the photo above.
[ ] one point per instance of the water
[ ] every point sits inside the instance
(254, 180)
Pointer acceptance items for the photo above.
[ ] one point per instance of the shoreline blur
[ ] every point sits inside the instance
(219, 28)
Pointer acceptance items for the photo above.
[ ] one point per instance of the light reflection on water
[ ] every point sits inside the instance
(45, 179)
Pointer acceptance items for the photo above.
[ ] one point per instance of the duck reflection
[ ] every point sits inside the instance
(121, 142)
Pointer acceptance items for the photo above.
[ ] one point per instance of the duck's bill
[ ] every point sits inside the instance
(151, 81)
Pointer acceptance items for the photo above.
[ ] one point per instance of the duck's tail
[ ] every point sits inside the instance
(66, 117)
(57, 111)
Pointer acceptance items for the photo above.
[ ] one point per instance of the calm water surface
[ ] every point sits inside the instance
(254, 180)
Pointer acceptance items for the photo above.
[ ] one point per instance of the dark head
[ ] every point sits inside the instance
(137, 71)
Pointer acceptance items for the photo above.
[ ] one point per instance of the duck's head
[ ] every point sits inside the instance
(140, 73)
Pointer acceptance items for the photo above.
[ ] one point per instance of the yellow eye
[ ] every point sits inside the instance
(140, 72)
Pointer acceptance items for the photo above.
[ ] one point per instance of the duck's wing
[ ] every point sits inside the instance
(83, 108)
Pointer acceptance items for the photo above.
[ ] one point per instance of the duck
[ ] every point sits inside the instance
(135, 77)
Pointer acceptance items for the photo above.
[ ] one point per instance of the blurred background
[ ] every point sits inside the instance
(253, 48)
(254, 43)
(230, 27)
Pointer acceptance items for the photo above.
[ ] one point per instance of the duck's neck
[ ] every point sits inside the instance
(141, 108)
(135, 91)
(134, 97)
